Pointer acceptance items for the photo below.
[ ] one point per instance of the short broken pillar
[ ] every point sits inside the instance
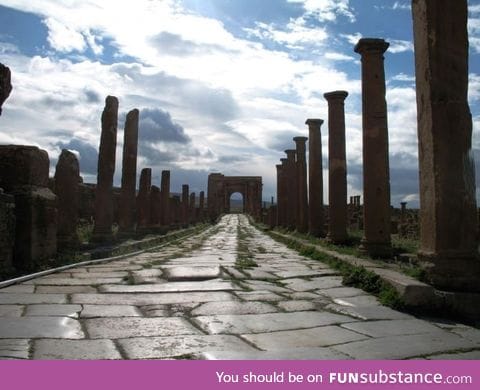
(192, 208)
(316, 218)
(102, 230)
(126, 216)
(337, 167)
(5, 84)
(291, 198)
(376, 173)
(24, 174)
(67, 181)
(448, 213)
(143, 199)
(302, 192)
(201, 207)
(165, 194)
(185, 205)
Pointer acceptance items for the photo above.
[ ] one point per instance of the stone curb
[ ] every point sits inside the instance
(164, 240)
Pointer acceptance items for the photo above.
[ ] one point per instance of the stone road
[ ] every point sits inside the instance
(200, 299)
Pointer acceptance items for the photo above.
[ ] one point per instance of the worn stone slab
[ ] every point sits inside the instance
(25, 299)
(53, 310)
(151, 299)
(297, 305)
(403, 347)
(113, 267)
(116, 328)
(314, 284)
(171, 287)
(301, 295)
(14, 349)
(18, 288)
(11, 310)
(75, 281)
(261, 323)
(233, 307)
(192, 273)
(267, 286)
(303, 338)
(305, 273)
(94, 311)
(40, 327)
(279, 354)
(392, 327)
(341, 292)
(47, 349)
(359, 300)
(369, 312)
(235, 273)
(472, 355)
(177, 346)
(111, 274)
(258, 273)
(468, 333)
(266, 296)
(65, 289)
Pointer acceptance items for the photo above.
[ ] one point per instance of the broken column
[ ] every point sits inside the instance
(5, 84)
(448, 223)
(376, 175)
(67, 181)
(143, 199)
(302, 194)
(337, 167)
(291, 197)
(102, 230)
(316, 219)
(24, 174)
(185, 205)
(126, 217)
(403, 220)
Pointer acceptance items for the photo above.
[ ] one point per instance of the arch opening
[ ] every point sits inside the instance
(236, 203)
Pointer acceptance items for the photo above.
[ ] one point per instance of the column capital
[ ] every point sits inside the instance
(371, 46)
(335, 95)
(314, 122)
(300, 140)
(283, 161)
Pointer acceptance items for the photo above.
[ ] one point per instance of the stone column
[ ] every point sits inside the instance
(67, 180)
(102, 230)
(316, 218)
(185, 204)
(5, 84)
(302, 194)
(201, 207)
(376, 174)
(165, 191)
(402, 224)
(291, 198)
(155, 205)
(126, 216)
(143, 198)
(337, 167)
(448, 224)
(192, 208)
(280, 195)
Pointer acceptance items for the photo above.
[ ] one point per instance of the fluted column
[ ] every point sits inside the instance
(337, 167)
(376, 174)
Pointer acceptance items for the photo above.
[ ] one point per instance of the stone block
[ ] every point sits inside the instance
(7, 232)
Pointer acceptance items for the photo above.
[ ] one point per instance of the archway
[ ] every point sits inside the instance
(236, 203)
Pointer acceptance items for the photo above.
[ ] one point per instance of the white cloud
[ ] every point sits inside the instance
(327, 10)
(403, 77)
(63, 38)
(338, 56)
(399, 46)
(401, 6)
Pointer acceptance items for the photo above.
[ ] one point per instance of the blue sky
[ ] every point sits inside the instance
(221, 85)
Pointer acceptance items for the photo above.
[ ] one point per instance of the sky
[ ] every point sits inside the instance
(221, 85)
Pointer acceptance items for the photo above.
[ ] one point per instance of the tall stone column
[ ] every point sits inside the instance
(165, 194)
(376, 173)
(185, 204)
(337, 167)
(192, 208)
(302, 194)
(316, 219)
(448, 219)
(67, 180)
(143, 198)
(126, 216)
(201, 207)
(102, 230)
(155, 205)
(280, 195)
(291, 198)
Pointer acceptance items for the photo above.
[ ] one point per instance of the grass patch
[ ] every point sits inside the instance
(261, 249)
(245, 258)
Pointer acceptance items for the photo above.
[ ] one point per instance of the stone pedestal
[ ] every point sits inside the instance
(376, 174)
(448, 223)
(337, 167)
(67, 180)
(165, 193)
(143, 199)
(102, 230)
(24, 174)
(185, 205)
(291, 197)
(5, 84)
(302, 194)
(316, 219)
(126, 216)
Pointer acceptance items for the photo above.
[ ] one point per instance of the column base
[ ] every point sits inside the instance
(452, 271)
(381, 250)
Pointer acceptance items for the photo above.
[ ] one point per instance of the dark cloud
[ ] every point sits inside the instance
(88, 154)
(175, 45)
(92, 96)
(283, 141)
(157, 125)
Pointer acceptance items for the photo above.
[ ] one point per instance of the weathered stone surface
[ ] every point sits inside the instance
(169, 347)
(393, 327)
(341, 292)
(297, 305)
(75, 350)
(233, 307)
(192, 273)
(369, 312)
(143, 198)
(14, 349)
(359, 300)
(472, 355)
(165, 195)
(266, 296)
(115, 328)
(313, 284)
(5, 84)
(64, 289)
(18, 288)
(75, 281)
(279, 354)
(210, 285)
(301, 182)
(261, 323)
(67, 179)
(25, 298)
(126, 215)
(43, 310)
(36, 327)
(106, 168)
(94, 311)
(11, 310)
(7, 232)
(376, 171)
(146, 276)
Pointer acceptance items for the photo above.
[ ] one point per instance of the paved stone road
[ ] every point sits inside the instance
(196, 300)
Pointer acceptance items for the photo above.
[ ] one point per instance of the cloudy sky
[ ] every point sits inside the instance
(221, 85)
